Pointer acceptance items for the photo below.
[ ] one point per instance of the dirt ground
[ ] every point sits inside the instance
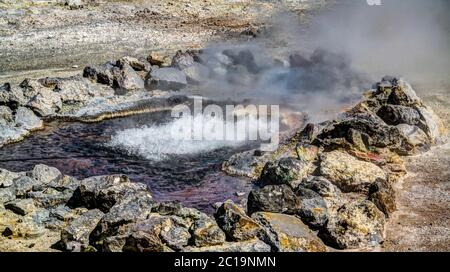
(422, 222)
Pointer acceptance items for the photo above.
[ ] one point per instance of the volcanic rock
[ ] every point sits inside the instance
(313, 209)
(7, 194)
(235, 223)
(273, 198)
(286, 233)
(356, 224)
(183, 60)
(321, 185)
(80, 228)
(254, 245)
(348, 173)
(383, 195)
(26, 119)
(24, 184)
(288, 171)
(206, 232)
(7, 177)
(103, 192)
(45, 174)
(127, 79)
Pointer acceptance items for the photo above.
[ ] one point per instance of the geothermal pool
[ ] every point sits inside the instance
(188, 172)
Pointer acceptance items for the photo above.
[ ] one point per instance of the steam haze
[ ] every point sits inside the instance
(329, 59)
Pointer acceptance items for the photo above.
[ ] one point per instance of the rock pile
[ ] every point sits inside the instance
(339, 180)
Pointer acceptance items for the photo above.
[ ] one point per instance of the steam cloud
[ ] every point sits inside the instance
(327, 62)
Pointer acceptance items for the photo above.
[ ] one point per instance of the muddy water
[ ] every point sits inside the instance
(78, 149)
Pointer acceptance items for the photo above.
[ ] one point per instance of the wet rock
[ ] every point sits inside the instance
(288, 171)
(127, 79)
(7, 177)
(286, 233)
(103, 192)
(245, 164)
(7, 194)
(45, 174)
(313, 209)
(21, 206)
(183, 60)
(383, 196)
(27, 119)
(348, 173)
(394, 115)
(321, 185)
(356, 224)
(166, 79)
(79, 229)
(273, 198)
(254, 245)
(206, 232)
(235, 223)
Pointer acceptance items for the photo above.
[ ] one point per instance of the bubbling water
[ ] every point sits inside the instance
(157, 142)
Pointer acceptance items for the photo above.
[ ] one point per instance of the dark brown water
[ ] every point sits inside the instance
(77, 149)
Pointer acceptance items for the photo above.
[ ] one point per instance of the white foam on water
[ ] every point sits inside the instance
(156, 142)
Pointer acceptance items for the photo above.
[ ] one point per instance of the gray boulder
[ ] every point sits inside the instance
(166, 79)
(7, 194)
(45, 174)
(313, 208)
(103, 192)
(183, 60)
(79, 229)
(273, 198)
(321, 185)
(7, 177)
(26, 118)
(127, 79)
(289, 171)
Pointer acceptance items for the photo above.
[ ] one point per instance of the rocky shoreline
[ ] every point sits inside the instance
(328, 187)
